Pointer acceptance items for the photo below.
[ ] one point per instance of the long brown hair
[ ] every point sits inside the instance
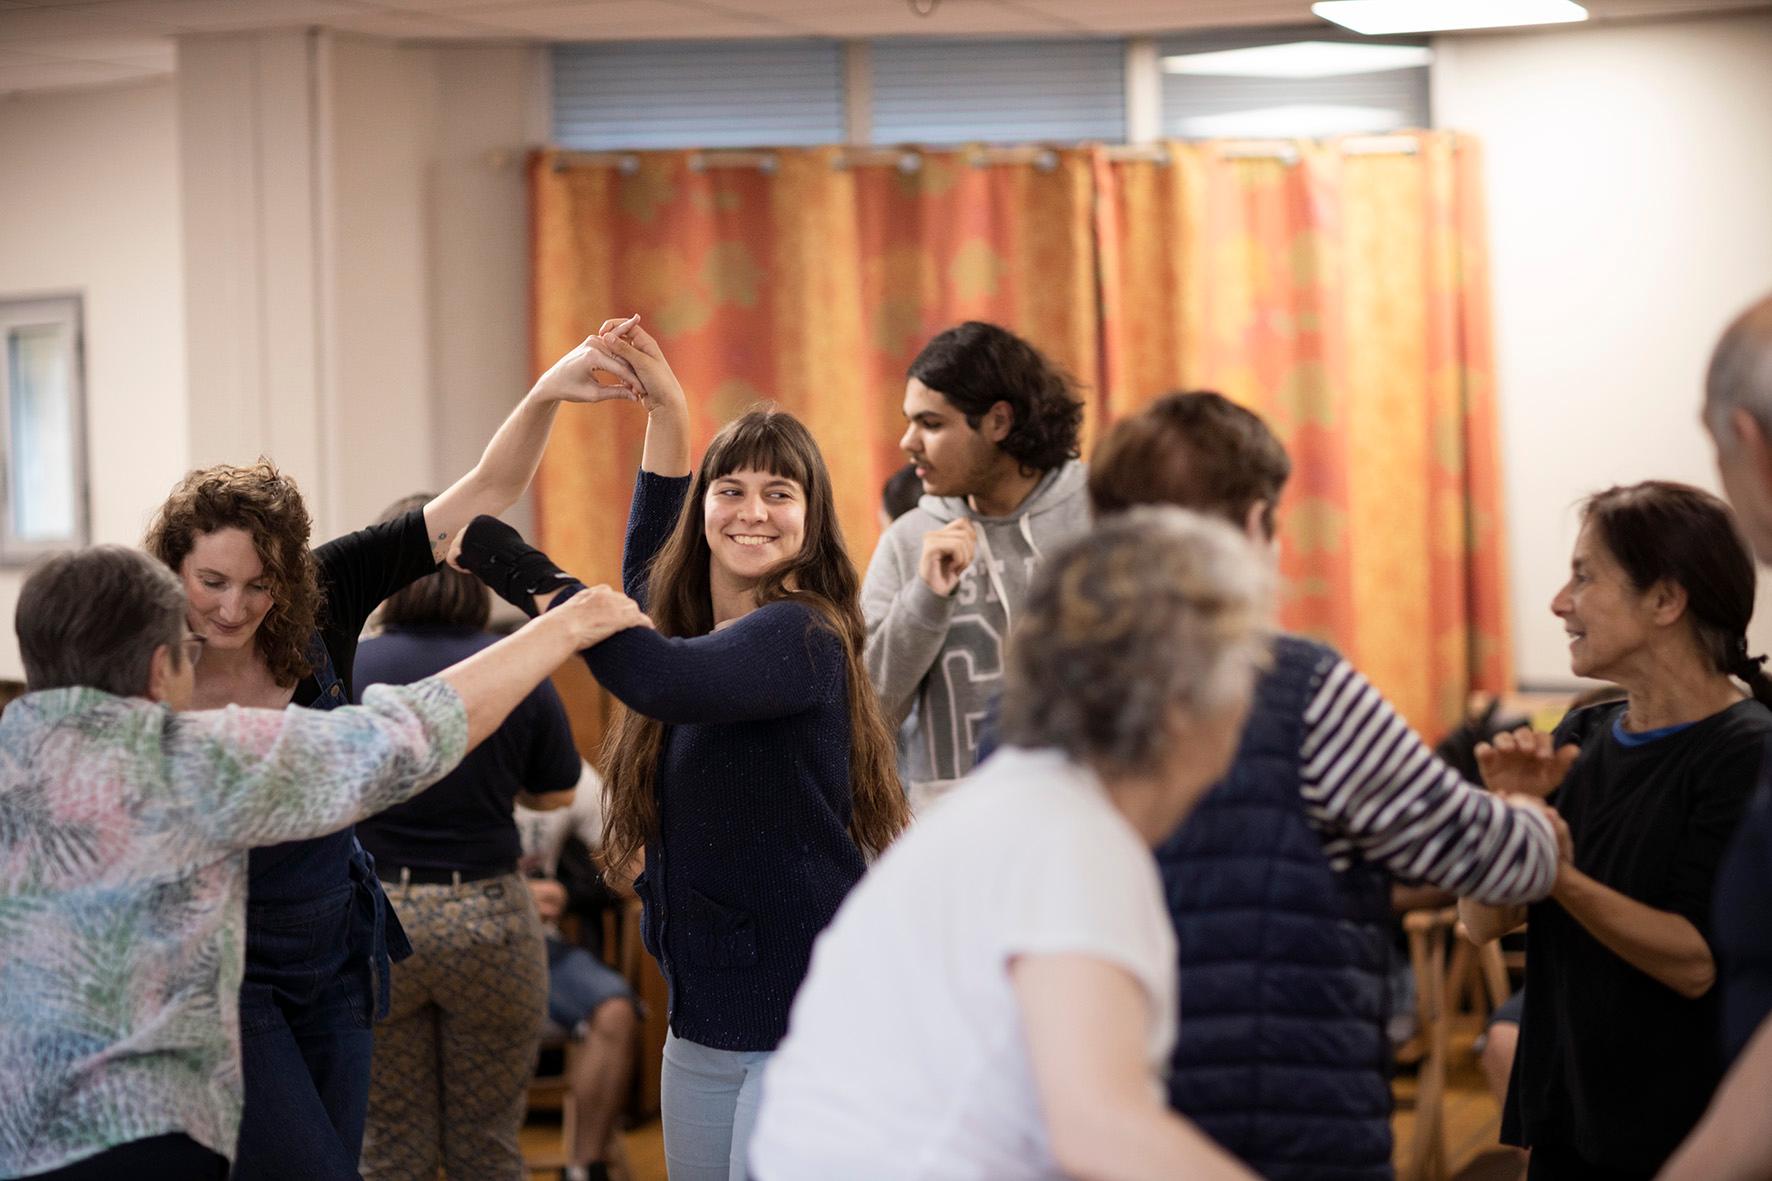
(680, 601)
(266, 504)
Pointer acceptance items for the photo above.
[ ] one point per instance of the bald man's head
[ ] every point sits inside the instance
(1738, 414)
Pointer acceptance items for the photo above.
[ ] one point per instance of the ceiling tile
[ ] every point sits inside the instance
(100, 49)
(1160, 16)
(1611, 9)
(51, 24)
(452, 7)
(950, 19)
(417, 26)
(632, 20)
(49, 75)
(206, 16)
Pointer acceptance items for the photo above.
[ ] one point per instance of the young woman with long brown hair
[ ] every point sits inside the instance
(752, 766)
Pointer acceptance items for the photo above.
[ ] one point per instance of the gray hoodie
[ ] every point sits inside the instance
(945, 655)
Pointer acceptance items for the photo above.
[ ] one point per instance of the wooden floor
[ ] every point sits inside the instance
(1473, 1124)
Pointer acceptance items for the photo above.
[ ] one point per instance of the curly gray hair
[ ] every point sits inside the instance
(1157, 608)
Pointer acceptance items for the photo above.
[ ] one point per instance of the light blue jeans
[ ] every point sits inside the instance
(709, 1099)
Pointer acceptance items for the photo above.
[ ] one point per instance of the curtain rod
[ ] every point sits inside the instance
(910, 159)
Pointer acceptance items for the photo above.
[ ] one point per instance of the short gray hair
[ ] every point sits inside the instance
(93, 617)
(1740, 372)
(1156, 608)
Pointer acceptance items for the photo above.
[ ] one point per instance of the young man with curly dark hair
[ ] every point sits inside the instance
(993, 436)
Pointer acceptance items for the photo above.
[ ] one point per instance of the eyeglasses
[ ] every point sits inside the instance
(193, 648)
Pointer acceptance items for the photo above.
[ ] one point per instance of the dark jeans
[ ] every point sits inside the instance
(173, 1157)
(305, 1042)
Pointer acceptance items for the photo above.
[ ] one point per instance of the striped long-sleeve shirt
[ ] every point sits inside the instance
(1376, 792)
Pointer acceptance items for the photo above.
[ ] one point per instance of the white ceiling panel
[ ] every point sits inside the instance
(953, 18)
(152, 46)
(210, 16)
(53, 75)
(122, 38)
(54, 24)
(632, 20)
(1142, 16)
(406, 25)
(454, 7)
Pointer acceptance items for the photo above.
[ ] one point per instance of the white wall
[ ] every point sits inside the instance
(491, 103)
(379, 105)
(1629, 179)
(89, 203)
(357, 245)
(307, 245)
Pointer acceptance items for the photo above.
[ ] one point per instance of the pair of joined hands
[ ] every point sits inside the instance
(1524, 766)
(621, 361)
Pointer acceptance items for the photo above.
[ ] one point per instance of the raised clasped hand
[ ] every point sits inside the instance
(635, 347)
(1524, 761)
(589, 373)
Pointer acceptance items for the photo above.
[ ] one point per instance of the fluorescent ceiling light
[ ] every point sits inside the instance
(1297, 121)
(1374, 17)
(1302, 59)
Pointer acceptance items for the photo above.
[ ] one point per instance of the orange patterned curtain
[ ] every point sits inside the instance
(964, 238)
(812, 282)
(1343, 295)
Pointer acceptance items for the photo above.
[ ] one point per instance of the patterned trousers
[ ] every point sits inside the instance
(455, 1055)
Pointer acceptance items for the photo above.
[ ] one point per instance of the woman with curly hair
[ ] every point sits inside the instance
(280, 624)
(993, 436)
(752, 767)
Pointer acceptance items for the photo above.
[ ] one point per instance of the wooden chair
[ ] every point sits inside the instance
(553, 1092)
(621, 935)
(1429, 932)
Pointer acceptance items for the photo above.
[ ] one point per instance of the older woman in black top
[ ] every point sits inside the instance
(1618, 1049)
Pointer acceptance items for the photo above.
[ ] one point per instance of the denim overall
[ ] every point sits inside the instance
(319, 939)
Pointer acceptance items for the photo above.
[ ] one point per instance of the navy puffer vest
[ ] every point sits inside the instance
(1282, 1056)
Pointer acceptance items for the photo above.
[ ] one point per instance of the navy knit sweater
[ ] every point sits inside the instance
(753, 854)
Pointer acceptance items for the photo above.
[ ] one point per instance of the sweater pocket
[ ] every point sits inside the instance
(716, 935)
(648, 914)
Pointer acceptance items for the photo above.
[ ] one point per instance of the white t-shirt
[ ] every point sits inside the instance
(905, 1056)
(543, 834)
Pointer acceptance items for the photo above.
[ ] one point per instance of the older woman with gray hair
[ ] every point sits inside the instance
(996, 996)
(125, 824)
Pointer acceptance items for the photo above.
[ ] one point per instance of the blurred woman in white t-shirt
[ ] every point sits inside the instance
(995, 998)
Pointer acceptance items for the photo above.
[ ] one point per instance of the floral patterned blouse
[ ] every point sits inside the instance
(124, 829)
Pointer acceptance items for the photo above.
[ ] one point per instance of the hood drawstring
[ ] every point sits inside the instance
(990, 572)
(990, 567)
(1027, 535)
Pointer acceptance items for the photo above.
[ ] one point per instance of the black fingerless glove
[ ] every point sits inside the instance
(513, 569)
